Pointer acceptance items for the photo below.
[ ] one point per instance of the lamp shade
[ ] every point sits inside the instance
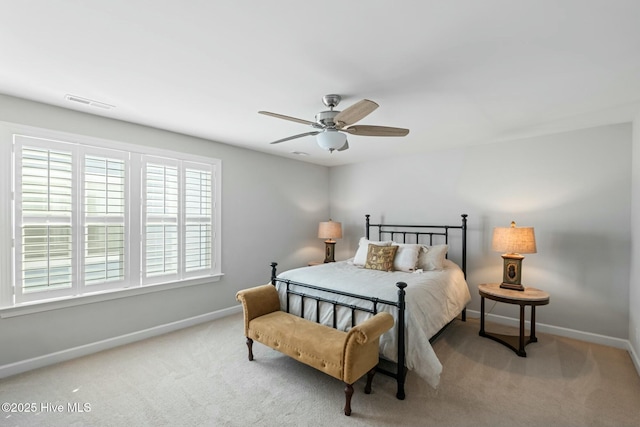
(331, 139)
(330, 230)
(514, 240)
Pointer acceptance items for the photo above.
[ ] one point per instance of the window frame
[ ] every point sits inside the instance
(185, 218)
(161, 218)
(84, 220)
(19, 294)
(10, 305)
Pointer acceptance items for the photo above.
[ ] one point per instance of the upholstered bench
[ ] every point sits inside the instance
(346, 356)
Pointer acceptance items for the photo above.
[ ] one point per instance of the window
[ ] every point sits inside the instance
(96, 216)
(177, 217)
(161, 219)
(104, 216)
(197, 219)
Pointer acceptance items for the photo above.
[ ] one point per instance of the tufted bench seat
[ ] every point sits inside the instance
(346, 356)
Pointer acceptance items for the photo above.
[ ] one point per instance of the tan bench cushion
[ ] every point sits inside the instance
(316, 345)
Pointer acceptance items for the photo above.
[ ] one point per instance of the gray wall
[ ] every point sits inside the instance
(573, 187)
(266, 216)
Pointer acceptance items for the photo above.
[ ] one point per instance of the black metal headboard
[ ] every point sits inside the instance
(419, 232)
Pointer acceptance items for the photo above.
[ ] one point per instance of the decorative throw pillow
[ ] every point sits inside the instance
(407, 257)
(380, 257)
(363, 248)
(432, 257)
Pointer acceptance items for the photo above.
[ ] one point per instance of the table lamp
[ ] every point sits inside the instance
(330, 230)
(513, 241)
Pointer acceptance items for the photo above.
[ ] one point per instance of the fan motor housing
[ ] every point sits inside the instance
(325, 118)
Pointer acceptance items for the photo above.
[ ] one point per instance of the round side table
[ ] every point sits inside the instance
(529, 297)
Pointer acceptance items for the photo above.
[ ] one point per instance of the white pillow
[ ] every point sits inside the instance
(363, 248)
(406, 257)
(432, 257)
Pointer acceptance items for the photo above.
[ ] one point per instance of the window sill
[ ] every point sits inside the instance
(56, 304)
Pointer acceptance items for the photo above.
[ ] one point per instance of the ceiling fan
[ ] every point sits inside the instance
(332, 126)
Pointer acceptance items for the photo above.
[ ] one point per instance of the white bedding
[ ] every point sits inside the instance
(433, 299)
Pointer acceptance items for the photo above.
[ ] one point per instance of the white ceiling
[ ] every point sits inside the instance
(455, 72)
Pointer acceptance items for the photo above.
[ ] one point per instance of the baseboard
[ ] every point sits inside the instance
(566, 332)
(83, 350)
(634, 358)
(557, 330)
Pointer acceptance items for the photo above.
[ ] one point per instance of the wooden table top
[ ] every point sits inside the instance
(530, 295)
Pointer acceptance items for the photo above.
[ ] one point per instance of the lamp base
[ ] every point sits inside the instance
(330, 248)
(512, 272)
(512, 286)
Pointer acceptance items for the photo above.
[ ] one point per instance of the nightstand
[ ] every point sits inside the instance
(529, 297)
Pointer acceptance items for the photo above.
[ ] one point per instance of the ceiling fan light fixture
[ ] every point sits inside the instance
(331, 127)
(331, 139)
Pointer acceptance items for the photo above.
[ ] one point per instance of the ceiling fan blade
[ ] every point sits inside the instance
(282, 116)
(365, 130)
(345, 146)
(356, 112)
(315, 132)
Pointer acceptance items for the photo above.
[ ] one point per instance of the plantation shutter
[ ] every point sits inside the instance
(198, 218)
(104, 220)
(44, 220)
(161, 201)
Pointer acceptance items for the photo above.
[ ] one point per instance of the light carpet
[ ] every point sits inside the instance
(200, 376)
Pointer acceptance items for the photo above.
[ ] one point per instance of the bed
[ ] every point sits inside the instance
(424, 292)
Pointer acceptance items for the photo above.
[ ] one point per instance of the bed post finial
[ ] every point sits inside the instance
(366, 228)
(273, 273)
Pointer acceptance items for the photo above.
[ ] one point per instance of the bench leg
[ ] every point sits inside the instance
(370, 374)
(348, 392)
(250, 346)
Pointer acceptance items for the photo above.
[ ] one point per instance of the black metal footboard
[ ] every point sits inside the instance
(367, 305)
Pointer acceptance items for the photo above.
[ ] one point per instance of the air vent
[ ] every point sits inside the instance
(90, 102)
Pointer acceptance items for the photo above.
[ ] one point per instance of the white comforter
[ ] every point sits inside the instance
(433, 299)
